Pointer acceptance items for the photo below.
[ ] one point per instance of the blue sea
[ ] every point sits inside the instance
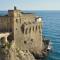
(51, 31)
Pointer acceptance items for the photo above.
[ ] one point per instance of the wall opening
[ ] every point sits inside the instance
(32, 40)
(22, 28)
(17, 20)
(29, 29)
(25, 42)
(26, 30)
(33, 28)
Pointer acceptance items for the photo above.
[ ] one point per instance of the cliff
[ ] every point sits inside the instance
(10, 51)
(21, 36)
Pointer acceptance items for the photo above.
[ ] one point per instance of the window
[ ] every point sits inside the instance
(25, 42)
(29, 29)
(36, 27)
(33, 28)
(16, 20)
(32, 40)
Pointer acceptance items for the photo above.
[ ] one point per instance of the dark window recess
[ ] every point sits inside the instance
(10, 38)
(36, 27)
(25, 42)
(22, 28)
(33, 28)
(16, 20)
(26, 30)
(32, 40)
(30, 30)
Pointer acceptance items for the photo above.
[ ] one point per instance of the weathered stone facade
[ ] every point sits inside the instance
(25, 28)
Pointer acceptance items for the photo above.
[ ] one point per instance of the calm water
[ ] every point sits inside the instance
(51, 30)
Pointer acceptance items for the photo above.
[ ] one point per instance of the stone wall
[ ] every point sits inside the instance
(24, 39)
(26, 30)
(5, 24)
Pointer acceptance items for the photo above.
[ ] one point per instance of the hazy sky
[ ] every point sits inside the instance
(30, 4)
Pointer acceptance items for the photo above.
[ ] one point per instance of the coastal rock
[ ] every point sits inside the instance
(13, 53)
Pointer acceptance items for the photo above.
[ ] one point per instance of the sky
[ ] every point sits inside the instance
(30, 4)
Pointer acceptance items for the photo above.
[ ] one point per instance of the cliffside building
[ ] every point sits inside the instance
(25, 29)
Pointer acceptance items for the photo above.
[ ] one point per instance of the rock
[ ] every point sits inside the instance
(14, 53)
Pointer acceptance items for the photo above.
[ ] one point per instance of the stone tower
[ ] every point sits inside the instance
(27, 30)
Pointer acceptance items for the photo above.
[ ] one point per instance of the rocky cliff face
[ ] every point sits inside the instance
(9, 51)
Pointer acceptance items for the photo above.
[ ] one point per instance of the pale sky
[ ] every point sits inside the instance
(30, 4)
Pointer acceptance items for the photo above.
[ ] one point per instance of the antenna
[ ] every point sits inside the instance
(12, 3)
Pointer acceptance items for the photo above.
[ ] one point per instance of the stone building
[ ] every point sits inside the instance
(25, 28)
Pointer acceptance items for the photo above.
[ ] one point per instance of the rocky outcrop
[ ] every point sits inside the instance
(9, 51)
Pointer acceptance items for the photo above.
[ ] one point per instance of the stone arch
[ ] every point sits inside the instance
(10, 38)
(22, 28)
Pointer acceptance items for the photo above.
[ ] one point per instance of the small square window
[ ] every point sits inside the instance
(30, 30)
(25, 42)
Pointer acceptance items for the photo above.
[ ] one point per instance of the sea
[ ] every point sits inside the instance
(51, 30)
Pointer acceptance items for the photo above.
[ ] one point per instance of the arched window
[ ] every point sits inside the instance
(29, 29)
(36, 27)
(31, 40)
(33, 28)
(22, 28)
(26, 30)
(16, 20)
